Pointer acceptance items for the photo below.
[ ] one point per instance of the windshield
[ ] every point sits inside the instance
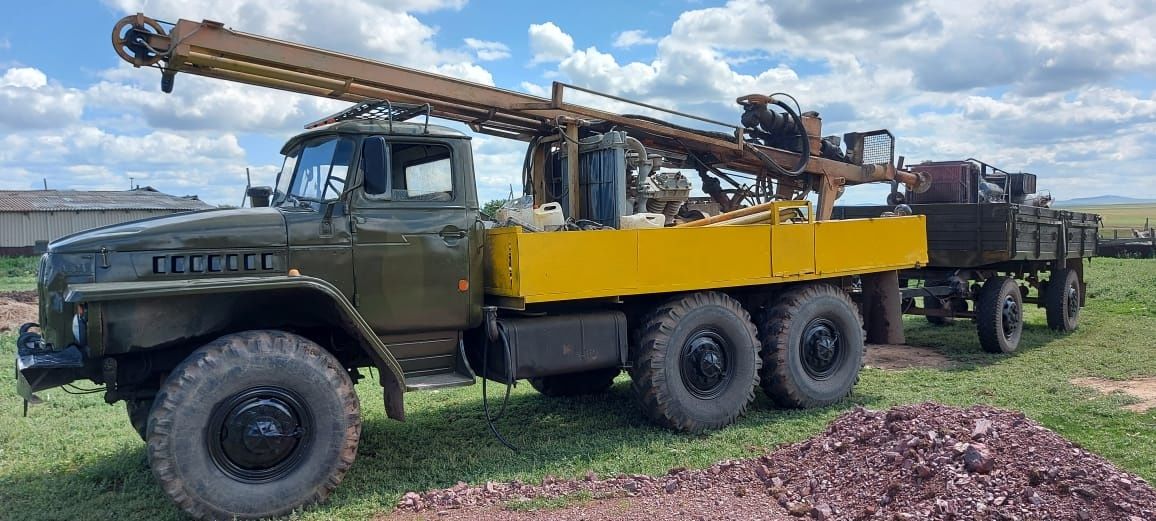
(314, 172)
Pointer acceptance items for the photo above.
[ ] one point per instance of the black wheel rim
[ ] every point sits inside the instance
(706, 363)
(1073, 297)
(1010, 317)
(260, 434)
(823, 349)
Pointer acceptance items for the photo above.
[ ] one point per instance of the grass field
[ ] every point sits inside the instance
(76, 457)
(17, 273)
(1121, 216)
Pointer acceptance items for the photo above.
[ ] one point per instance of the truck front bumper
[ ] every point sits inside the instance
(39, 368)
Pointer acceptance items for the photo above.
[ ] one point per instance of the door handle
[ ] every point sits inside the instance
(453, 234)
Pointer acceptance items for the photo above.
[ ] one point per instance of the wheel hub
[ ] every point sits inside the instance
(822, 348)
(257, 435)
(1073, 302)
(1010, 317)
(705, 364)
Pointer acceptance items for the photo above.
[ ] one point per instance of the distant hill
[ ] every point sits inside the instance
(1101, 200)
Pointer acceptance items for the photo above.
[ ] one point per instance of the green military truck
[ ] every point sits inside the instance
(235, 336)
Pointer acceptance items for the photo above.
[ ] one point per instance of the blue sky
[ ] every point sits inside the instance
(1066, 93)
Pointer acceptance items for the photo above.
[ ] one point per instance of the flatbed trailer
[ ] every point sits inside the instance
(984, 260)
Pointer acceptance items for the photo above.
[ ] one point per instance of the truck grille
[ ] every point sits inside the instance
(213, 263)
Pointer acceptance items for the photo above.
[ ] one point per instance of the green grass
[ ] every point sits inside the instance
(18, 273)
(76, 457)
(1121, 216)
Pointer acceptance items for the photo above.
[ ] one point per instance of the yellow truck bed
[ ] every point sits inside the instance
(528, 268)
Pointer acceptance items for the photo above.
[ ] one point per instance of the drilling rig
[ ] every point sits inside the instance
(235, 336)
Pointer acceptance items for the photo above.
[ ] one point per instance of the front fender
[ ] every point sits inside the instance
(135, 316)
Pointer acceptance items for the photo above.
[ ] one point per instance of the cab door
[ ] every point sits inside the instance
(411, 251)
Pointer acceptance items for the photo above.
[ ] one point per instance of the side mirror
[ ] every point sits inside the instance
(259, 196)
(375, 157)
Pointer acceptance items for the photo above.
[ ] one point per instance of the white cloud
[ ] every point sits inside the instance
(5, 44)
(633, 37)
(28, 100)
(488, 51)
(548, 43)
(1041, 98)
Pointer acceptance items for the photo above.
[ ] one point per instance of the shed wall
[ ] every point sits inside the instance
(23, 229)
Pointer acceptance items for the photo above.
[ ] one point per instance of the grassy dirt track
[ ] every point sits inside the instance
(75, 457)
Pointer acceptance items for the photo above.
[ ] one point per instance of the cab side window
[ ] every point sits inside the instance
(421, 172)
(407, 171)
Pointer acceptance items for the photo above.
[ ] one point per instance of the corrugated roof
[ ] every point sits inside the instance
(72, 200)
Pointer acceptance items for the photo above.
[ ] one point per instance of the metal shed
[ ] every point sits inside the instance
(28, 217)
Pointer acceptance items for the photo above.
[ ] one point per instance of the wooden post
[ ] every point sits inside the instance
(572, 170)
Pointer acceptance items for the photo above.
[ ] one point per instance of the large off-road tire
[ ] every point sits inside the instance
(253, 425)
(1062, 300)
(697, 363)
(812, 340)
(596, 381)
(1000, 315)
(138, 416)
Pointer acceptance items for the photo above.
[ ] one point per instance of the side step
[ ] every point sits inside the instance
(437, 381)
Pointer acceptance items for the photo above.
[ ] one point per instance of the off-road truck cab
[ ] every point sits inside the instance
(371, 216)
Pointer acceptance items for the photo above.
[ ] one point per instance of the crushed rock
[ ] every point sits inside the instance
(925, 461)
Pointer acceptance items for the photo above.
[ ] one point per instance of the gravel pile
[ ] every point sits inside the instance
(924, 461)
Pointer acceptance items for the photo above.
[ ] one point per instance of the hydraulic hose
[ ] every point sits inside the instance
(804, 156)
(486, 396)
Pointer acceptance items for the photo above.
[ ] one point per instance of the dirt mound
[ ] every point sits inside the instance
(13, 313)
(923, 461)
(27, 297)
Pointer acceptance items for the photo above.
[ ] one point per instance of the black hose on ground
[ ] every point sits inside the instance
(509, 385)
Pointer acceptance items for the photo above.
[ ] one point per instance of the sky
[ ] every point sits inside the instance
(1068, 93)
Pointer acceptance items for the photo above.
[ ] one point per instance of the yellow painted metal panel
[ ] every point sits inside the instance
(671, 258)
(794, 248)
(870, 244)
(558, 266)
(501, 255)
(594, 263)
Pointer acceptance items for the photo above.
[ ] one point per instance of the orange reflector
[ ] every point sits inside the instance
(294, 272)
(463, 285)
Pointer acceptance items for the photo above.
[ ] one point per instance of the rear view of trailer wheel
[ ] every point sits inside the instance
(697, 362)
(1062, 300)
(813, 349)
(253, 425)
(1000, 315)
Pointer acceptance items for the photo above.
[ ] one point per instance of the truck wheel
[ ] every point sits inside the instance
(955, 303)
(697, 362)
(1000, 315)
(138, 416)
(812, 347)
(1062, 300)
(253, 425)
(597, 381)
